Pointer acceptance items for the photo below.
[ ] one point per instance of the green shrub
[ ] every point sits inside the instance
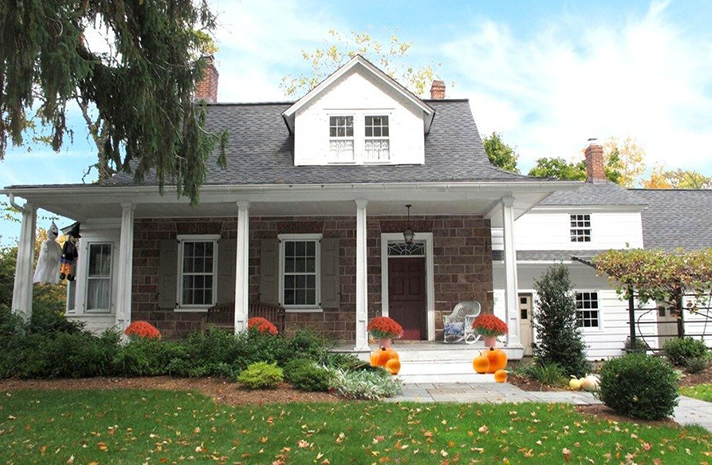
(679, 350)
(45, 320)
(559, 337)
(549, 374)
(640, 345)
(348, 362)
(365, 384)
(305, 375)
(697, 365)
(147, 357)
(639, 386)
(261, 375)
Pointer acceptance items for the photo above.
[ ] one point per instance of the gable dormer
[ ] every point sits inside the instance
(359, 116)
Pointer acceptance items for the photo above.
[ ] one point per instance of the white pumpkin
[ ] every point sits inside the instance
(590, 383)
(574, 384)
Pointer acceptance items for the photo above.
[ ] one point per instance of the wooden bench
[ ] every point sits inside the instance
(223, 315)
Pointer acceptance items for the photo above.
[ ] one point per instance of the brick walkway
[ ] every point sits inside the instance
(688, 412)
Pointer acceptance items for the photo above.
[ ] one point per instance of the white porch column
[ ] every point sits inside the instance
(22, 292)
(361, 276)
(242, 273)
(125, 275)
(511, 293)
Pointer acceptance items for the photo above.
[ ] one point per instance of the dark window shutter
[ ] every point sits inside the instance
(269, 271)
(330, 290)
(226, 270)
(168, 274)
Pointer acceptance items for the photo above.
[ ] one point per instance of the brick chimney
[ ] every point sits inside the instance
(207, 88)
(437, 90)
(595, 170)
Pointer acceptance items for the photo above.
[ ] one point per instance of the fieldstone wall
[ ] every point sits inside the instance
(462, 265)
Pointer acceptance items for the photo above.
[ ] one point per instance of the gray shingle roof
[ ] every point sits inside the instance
(594, 194)
(676, 218)
(260, 151)
(548, 255)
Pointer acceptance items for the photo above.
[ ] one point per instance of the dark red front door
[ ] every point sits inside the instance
(406, 295)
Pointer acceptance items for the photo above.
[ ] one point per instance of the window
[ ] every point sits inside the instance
(300, 271)
(198, 262)
(580, 228)
(377, 144)
(587, 309)
(341, 138)
(99, 277)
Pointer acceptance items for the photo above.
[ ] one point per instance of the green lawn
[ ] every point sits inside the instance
(125, 426)
(701, 391)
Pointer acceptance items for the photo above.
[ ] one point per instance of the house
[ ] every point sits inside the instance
(311, 215)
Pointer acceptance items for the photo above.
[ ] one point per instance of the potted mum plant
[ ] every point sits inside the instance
(384, 329)
(489, 326)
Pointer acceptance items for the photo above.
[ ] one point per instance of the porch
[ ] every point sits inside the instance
(248, 227)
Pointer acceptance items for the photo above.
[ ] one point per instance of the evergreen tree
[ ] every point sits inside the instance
(558, 334)
(140, 82)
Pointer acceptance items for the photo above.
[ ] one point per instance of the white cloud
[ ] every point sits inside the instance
(640, 77)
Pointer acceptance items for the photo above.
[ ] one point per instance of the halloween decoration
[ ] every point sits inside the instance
(481, 364)
(393, 366)
(500, 376)
(47, 271)
(497, 360)
(69, 254)
(384, 329)
(574, 383)
(380, 357)
(489, 326)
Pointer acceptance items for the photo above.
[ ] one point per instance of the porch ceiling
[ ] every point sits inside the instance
(83, 203)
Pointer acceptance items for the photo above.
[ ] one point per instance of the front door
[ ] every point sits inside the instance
(406, 295)
(525, 322)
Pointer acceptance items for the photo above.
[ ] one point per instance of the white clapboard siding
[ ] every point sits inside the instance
(545, 230)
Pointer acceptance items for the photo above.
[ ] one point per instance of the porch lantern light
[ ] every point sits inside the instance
(408, 234)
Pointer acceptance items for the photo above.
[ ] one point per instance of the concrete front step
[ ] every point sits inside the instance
(413, 372)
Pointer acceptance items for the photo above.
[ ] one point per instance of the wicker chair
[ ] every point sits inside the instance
(457, 326)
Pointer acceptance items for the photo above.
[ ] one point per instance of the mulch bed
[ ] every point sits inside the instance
(601, 412)
(704, 377)
(528, 384)
(220, 390)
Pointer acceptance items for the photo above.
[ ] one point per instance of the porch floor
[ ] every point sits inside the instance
(435, 361)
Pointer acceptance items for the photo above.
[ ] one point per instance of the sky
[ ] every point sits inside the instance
(547, 75)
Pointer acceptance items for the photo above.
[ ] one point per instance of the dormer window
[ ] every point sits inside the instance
(341, 139)
(377, 146)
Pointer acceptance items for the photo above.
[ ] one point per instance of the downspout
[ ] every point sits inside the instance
(15, 205)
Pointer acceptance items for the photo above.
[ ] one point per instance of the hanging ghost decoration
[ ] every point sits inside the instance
(47, 271)
(69, 254)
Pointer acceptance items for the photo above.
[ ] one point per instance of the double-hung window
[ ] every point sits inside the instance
(300, 267)
(580, 228)
(587, 309)
(341, 139)
(198, 268)
(377, 144)
(98, 277)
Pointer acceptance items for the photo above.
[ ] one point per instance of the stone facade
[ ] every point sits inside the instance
(462, 265)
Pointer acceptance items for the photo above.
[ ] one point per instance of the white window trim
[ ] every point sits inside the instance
(179, 297)
(590, 228)
(87, 279)
(337, 138)
(388, 138)
(594, 329)
(296, 237)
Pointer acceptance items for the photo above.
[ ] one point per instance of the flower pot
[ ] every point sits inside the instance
(385, 343)
(490, 341)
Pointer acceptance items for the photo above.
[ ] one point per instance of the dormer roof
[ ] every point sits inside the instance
(358, 61)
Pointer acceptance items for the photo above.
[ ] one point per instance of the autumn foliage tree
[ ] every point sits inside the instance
(139, 83)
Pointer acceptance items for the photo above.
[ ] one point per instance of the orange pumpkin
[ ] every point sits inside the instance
(481, 364)
(380, 357)
(497, 359)
(500, 376)
(393, 366)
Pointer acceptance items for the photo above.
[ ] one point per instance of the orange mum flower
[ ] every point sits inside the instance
(489, 325)
(383, 327)
(143, 329)
(262, 325)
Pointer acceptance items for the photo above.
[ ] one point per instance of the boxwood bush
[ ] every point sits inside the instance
(680, 350)
(305, 375)
(261, 375)
(639, 386)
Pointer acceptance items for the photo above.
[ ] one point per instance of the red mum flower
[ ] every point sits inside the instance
(143, 329)
(262, 325)
(383, 327)
(489, 325)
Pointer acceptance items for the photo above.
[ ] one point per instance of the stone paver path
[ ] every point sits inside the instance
(688, 412)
